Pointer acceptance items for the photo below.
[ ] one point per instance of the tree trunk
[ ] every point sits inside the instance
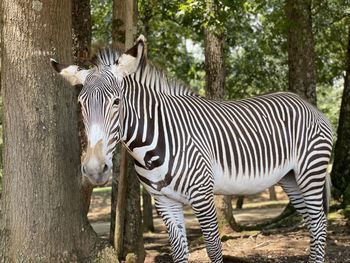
(81, 31)
(81, 36)
(341, 165)
(147, 213)
(272, 192)
(42, 219)
(224, 212)
(240, 201)
(118, 39)
(214, 87)
(128, 234)
(214, 64)
(301, 55)
(118, 24)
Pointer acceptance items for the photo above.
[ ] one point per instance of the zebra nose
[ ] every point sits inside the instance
(90, 170)
(97, 175)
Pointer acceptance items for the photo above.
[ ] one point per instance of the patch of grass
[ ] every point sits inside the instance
(335, 215)
(102, 190)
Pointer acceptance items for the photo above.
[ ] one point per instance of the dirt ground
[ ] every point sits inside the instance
(288, 245)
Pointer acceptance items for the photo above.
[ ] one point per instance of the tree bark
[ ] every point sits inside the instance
(214, 64)
(42, 219)
(118, 24)
(128, 234)
(214, 87)
(225, 212)
(301, 54)
(81, 31)
(341, 165)
(81, 36)
(240, 201)
(147, 214)
(272, 192)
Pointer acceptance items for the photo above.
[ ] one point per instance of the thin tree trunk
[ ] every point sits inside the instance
(147, 214)
(118, 38)
(341, 165)
(128, 235)
(240, 201)
(225, 212)
(42, 218)
(81, 36)
(272, 192)
(120, 205)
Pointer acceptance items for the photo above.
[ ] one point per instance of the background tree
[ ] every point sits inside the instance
(301, 57)
(81, 36)
(301, 54)
(341, 165)
(214, 49)
(42, 217)
(128, 230)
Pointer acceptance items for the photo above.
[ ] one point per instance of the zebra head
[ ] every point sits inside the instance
(100, 100)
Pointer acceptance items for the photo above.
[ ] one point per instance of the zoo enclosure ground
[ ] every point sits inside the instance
(280, 245)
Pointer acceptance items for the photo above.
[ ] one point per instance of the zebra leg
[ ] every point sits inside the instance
(311, 184)
(172, 214)
(204, 208)
(291, 188)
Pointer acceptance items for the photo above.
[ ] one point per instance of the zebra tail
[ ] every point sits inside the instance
(327, 193)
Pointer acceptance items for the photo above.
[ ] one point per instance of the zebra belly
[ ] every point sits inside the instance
(245, 184)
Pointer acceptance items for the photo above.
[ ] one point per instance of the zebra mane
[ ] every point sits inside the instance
(168, 84)
(105, 57)
(108, 56)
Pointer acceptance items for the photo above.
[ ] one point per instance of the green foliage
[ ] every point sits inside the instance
(168, 41)
(330, 26)
(257, 61)
(101, 15)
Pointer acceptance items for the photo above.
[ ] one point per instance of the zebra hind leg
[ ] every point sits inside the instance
(172, 215)
(311, 184)
(291, 188)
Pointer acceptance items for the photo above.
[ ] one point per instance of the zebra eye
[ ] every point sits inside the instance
(79, 68)
(116, 102)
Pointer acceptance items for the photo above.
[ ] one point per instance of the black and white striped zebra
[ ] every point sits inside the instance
(188, 148)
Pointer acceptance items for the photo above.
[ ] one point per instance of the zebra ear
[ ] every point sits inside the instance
(73, 74)
(138, 49)
(129, 62)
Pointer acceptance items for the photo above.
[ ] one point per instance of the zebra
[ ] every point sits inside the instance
(187, 147)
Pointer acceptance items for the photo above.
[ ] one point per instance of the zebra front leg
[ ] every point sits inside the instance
(204, 208)
(172, 214)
